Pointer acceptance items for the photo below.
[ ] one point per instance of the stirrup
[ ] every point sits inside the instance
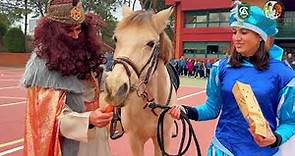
(116, 129)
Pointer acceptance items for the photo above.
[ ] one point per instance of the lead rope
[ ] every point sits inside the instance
(184, 120)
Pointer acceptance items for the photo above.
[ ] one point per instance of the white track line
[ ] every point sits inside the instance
(12, 104)
(10, 87)
(189, 95)
(12, 142)
(11, 150)
(12, 97)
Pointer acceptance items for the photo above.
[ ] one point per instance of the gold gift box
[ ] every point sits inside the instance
(249, 107)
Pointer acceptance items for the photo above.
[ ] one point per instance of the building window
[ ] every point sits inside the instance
(206, 49)
(203, 19)
(289, 17)
(196, 19)
(286, 26)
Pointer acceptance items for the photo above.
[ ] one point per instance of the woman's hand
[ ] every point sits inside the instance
(175, 111)
(100, 118)
(260, 140)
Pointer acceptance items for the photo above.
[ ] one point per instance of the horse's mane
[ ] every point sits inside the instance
(139, 18)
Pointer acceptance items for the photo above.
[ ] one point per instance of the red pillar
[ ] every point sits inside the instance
(178, 30)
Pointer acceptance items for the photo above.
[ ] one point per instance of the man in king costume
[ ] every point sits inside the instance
(62, 78)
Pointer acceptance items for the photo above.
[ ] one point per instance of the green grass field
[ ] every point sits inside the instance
(193, 82)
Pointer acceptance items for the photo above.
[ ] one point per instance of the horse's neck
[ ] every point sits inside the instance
(159, 85)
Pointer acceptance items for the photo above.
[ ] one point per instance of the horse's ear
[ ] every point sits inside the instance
(161, 19)
(127, 11)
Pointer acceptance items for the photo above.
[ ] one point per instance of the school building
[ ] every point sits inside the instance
(202, 29)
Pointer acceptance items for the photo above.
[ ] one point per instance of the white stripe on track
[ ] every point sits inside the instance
(17, 79)
(10, 87)
(11, 150)
(189, 95)
(11, 97)
(12, 104)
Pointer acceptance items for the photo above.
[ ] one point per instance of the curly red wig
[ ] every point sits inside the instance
(66, 55)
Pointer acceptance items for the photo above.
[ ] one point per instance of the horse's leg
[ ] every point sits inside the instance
(157, 150)
(137, 145)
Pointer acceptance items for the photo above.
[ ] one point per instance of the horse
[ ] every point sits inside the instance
(139, 76)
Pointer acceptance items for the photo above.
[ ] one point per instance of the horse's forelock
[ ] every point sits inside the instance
(138, 18)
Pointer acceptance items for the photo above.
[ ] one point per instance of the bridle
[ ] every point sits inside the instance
(150, 67)
(140, 86)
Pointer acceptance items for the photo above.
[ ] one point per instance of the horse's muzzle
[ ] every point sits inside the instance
(117, 97)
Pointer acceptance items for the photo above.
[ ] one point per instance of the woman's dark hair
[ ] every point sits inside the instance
(260, 59)
(67, 55)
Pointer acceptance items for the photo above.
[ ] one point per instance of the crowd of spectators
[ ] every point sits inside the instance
(193, 67)
(290, 60)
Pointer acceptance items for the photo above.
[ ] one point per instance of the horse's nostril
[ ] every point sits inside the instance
(122, 91)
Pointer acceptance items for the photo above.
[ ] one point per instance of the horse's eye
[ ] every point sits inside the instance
(151, 44)
(115, 38)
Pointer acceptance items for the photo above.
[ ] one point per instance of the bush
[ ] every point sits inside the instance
(3, 29)
(14, 40)
(4, 24)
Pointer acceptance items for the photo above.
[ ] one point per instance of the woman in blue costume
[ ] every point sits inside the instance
(273, 84)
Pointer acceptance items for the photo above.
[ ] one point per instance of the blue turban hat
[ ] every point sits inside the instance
(254, 20)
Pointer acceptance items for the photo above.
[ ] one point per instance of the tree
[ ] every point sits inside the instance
(3, 29)
(4, 20)
(104, 9)
(129, 3)
(149, 4)
(158, 5)
(16, 10)
(4, 24)
(14, 40)
(38, 7)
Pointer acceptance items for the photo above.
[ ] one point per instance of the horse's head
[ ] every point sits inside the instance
(137, 37)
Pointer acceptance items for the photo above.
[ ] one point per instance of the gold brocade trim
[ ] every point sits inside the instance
(44, 106)
(66, 13)
(76, 13)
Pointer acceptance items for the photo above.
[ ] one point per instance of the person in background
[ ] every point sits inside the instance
(181, 65)
(272, 81)
(208, 67)
(190, 67)
(291, 60)
(109, 64)
(62, 80)
(196, 68)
